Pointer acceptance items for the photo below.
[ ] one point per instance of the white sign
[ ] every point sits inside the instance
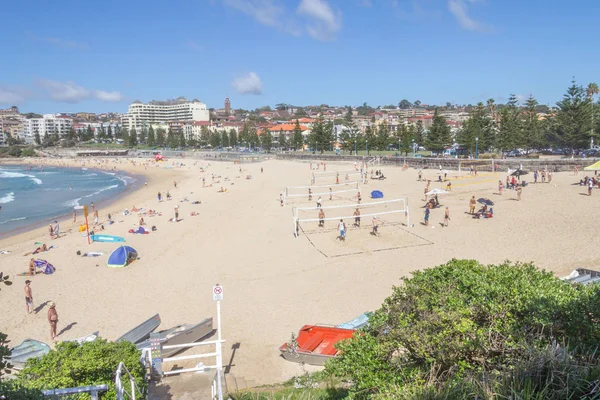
(217, 293)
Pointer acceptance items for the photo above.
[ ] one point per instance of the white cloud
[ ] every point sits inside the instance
(460, 10)
(67, 43)
(69, 92)
(267, 12)
(194, 46)
(11, 95)
(249, 83)
(324, 23)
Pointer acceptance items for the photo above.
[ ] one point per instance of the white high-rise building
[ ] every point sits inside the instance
(48, 124)
(141, 114)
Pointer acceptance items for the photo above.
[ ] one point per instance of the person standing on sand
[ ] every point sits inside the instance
(28, 297)
(51, 231)
(375, 223)
(52, 320)
(309, 194)
(590, 186)
(446, 216)
(159, 197)
(321, 218)
(56, 229)
(427, 212)
(319, 202)
(519, 191)
(500, 187)
(342, 228)
(281, 199)
(74, 215)
(357, 218)
(177, 213)
(472, 204)
(330, 194)
(175, 184)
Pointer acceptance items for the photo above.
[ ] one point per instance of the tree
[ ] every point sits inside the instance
(383, 136)
(297, 138)
(171, 139)
(89, 133)
(124, 134)
(233, 140)
(283, 143)
(109, 133)
(300, 112)
(419, 133)
(350, 136)
(91, 363)
(46, 142)
(417, 103)
(404, 104)
(215, 139)
(439, 136)
(591, 90)
(348, 116)
(572, 124)
(491, 105)
(101, 133)
(477, 127)
(266, 140)
(467, 322)
(151, 137)
(225, 138)
(160, 137)
(181, 140)
(133, 138)
(364, 109)
(532, 126)
(204, 136)
(510, 133)
(37, 139)
(321, 135)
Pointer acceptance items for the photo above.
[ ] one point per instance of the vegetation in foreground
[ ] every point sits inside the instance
(464, 330)
(72, 365)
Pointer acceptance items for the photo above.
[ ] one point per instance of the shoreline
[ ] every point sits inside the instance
(108, 205)
(124, 191)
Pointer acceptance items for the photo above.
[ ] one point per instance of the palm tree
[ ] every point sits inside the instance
(591, 90)
(492, 107)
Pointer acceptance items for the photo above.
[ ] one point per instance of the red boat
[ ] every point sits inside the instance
(315, 344)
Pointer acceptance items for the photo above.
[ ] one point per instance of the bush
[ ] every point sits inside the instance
(28, 152)
(92, 363)
(12, 390)
(465, 319)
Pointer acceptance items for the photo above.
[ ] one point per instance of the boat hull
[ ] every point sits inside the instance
(180, 335)
(142, 331)
(29, 348)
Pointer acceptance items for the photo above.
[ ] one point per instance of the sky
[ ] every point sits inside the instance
(92, 56)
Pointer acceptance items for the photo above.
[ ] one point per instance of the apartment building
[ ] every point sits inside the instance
(140, 114)
(48, 124)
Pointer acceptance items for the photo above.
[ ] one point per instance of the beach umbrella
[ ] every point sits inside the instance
(487, 202)
(519, 172)
(122, 256)
(436, 191)
(593, 167)
(46, 267)
(376, 194)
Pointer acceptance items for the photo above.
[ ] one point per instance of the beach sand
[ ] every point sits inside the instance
(275, 283)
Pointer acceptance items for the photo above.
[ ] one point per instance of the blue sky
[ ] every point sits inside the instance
(69, 56)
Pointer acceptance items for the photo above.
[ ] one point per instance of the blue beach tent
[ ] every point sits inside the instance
(376, 194)
(122, 256)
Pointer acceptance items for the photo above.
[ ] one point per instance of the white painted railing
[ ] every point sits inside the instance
(122, 393)
(92, 390)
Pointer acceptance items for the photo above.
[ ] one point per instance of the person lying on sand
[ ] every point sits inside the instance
(39, 250)
(193, 214)
(222, 190)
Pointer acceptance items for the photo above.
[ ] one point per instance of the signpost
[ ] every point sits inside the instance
(87, 229)
(217, 293)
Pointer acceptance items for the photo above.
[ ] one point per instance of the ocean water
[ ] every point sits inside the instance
(29, 197)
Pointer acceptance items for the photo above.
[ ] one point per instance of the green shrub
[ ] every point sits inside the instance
(28, 152)
(13, 390)
(465, 319)
(92, 363)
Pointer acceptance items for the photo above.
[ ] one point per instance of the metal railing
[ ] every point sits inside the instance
(92, 390)
(122, 393)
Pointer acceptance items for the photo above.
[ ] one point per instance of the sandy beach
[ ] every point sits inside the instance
(275, 283)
